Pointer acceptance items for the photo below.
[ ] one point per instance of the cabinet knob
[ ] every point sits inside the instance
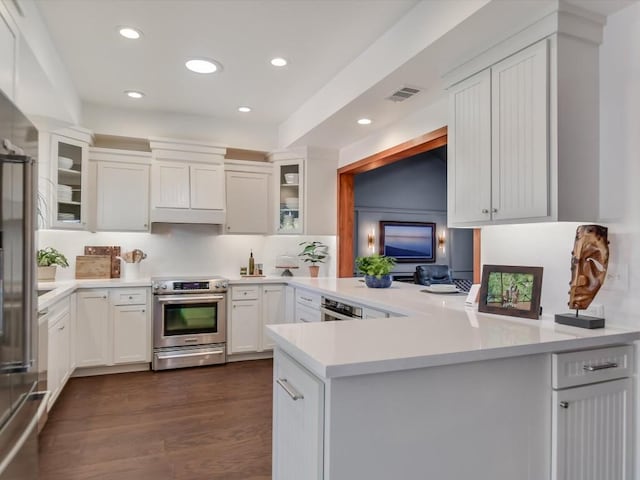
(143, 311)
(564, 404)
(146, 225)
(494, 210)
(228, 227)
(484, 210)
(105, 297)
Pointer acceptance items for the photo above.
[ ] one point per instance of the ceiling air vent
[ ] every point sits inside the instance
(404, 93)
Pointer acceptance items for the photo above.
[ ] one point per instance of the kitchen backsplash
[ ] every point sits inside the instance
(190, 250)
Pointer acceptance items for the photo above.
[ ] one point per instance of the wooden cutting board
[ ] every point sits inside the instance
(112, 251)
(93, 266)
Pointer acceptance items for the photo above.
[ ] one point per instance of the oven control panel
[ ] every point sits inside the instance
(161, 286)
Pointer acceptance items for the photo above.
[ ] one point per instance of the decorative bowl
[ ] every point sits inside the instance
(291, 178)
(65, 163)
(372, 281)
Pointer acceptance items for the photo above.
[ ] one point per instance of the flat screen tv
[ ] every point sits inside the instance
(408, 241)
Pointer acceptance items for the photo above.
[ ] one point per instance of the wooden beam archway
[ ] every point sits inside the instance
(346, 204)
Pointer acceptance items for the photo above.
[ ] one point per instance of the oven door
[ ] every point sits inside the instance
(329, 315)
(188, 319)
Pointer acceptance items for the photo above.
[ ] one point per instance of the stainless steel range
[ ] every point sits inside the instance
(189, 322)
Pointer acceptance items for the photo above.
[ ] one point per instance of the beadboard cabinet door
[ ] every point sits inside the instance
(469, 151)
(520, 135)
(170, 185)
(122, 197)
(498, 146)
(592, 432)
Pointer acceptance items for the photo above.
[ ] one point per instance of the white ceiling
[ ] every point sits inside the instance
(318, 37)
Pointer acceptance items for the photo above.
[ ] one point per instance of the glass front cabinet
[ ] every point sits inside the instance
(290, 197)
(66, 204)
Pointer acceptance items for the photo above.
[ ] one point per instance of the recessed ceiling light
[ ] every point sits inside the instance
(134, 94)
(130, 33)
(278, 62)
(364, 121)
(202, 65)
(244, 109)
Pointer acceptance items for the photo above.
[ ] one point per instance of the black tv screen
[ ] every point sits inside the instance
(408, 241)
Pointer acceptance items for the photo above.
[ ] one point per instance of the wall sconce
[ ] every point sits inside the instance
(371, 240)
(442, 239)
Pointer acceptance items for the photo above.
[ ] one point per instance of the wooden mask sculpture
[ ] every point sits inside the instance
(589, 261)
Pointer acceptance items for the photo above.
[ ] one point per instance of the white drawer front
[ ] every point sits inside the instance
(305, 314)
(590, 366)
(310, 299)
(136, 296)
(57, 308)
(249, 292)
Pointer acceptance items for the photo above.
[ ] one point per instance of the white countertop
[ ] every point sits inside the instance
(439, 331)
(59, 290)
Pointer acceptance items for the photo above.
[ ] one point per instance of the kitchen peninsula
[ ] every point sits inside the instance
(447, 393)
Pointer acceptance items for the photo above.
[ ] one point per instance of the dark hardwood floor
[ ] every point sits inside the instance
(192, 424)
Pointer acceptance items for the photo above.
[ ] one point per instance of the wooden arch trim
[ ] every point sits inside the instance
(346, 203)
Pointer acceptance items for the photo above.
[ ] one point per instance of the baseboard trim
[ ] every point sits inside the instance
(241, 357)
(128, 368)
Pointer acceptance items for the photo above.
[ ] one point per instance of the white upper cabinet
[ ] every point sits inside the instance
(64, 199)
(206, 181)
(122, 189)
(187, 182)
(7, 54)
(305, 191)
(247, 190)
(469, 150)
(523, 128)
(520, 135)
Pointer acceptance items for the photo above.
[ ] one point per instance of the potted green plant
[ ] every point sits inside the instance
(314, 252)
(376, 269)
(48, 259)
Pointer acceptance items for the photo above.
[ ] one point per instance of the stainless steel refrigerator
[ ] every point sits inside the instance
(21, 401)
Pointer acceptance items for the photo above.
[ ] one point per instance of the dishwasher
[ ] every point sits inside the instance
(333, 310)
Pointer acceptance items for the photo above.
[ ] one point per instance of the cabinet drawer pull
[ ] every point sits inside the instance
(307, 299)
(484, 210)
(61, 328)
(564, 404)
(292, 392)
(494, 210)
(594, 368)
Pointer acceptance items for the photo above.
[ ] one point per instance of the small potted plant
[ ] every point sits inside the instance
(376, 269)
(48, 259)
(314, 252)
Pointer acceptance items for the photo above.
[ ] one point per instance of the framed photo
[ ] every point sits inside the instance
(508, 290)
(408, 241)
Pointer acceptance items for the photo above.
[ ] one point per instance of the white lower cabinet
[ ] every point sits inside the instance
(245, 332)
(59, 359)
(92, 336)
(131, 334)
(252, 308)
(592, 422)
(298, 422)
(114, 327)
(273, 311)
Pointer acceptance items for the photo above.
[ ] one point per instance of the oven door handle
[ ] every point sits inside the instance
(186, 299)
(339, 316)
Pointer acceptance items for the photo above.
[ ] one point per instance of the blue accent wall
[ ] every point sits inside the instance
(411, 190)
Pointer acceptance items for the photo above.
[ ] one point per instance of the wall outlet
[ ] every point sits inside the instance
(595, 310)
(617, 279)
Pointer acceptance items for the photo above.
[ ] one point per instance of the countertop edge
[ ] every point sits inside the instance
(450, 358)
(59, 290)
